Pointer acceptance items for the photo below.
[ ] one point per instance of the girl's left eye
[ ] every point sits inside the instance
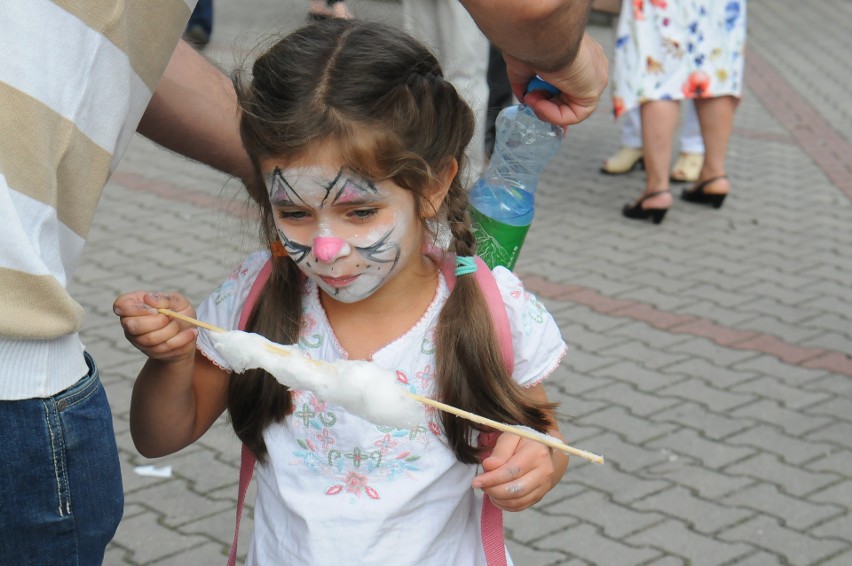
(292, 214)
(362, 213)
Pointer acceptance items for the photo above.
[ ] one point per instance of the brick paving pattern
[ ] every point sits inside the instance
(709, 356)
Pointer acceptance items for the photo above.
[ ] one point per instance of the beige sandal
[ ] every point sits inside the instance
(625, 160)
(687, 167)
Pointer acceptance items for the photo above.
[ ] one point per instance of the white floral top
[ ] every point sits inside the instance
(676, 49)
(338, 489)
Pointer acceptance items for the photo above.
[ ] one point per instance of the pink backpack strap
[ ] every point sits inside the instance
(247, 461)
(492, 516)
(493, 542)
(247, 457)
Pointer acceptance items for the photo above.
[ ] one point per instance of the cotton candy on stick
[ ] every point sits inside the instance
(284, 351)
(363, 388)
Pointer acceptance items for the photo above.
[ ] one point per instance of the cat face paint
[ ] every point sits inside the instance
(348, 234)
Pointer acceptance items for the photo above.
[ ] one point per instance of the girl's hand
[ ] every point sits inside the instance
(158, 336)
(518, 473)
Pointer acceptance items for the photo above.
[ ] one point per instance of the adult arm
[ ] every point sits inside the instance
(194, 112)
(547, 38)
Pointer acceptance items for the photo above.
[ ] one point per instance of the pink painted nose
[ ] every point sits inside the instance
(328, 249)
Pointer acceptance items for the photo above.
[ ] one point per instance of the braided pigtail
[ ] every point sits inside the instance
(470, 367)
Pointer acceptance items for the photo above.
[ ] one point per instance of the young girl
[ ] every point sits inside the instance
(359, 141)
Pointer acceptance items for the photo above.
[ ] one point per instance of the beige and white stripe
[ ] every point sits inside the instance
(75, 77)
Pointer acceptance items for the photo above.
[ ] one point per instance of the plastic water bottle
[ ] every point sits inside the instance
(503, 199)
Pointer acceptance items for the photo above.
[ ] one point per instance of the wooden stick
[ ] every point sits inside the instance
(549, 441)
(271, 347)
(545, 439)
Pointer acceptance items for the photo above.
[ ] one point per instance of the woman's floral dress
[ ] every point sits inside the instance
(676, 49)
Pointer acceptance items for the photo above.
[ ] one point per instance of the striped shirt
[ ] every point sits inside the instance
(75, 78)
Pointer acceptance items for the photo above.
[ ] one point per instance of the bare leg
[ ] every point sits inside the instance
(659, 122)
(716, 116)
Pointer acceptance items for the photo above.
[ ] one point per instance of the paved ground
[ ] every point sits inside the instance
(709, 356)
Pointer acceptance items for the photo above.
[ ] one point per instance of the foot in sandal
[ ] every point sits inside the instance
(625, 160)
(687, 168)
(712, 191)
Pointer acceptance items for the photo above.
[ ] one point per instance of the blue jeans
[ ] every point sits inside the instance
(60, 482)
(202, 16)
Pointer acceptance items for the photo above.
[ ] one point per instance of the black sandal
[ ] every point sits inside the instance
(636, 212)
(698, 195)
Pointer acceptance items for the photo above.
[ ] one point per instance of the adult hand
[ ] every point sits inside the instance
(581, 84)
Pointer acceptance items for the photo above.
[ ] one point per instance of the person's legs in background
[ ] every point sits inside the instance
(659, 122)
(716, 116)
(691, 158)
(200, 25)
(325, 9)
(629, 155)
(499, 95)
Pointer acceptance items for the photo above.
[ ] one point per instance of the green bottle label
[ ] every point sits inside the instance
(497, 243)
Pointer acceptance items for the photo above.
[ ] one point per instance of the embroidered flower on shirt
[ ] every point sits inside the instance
(385, 444)
(355, 484)
(307, 337)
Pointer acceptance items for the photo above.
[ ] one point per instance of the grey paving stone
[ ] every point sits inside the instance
(714, 455)
(148, 541)
(703, 421)
(615, 520)
(587, 543)
(207, 553)
(699, 514)
(714, 398)
(635, 401)
(180, 505)
(675, 538)
(711, 351)
(792, 422)
(524, 554)
(625, 455)
(730, 317)
(624, 487)
(790, 448)
(706, 483)
(793, 512)
(525, 531)
(790, 397)
(839, 528)
(839, 433)
(795, 547)
(633, 429)
(835, 461)
(642, 378)
(715, 375)
(790, 479)
(789, 374)
(657, 339)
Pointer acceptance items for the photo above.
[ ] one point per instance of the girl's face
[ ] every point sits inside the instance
(350, 235)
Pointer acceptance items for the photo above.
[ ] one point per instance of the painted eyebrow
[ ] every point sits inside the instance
(284, 187)
(370, 191)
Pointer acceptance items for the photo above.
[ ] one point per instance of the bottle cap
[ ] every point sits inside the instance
(538, 83)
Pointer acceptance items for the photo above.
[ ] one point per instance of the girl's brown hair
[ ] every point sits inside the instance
(381, 98)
